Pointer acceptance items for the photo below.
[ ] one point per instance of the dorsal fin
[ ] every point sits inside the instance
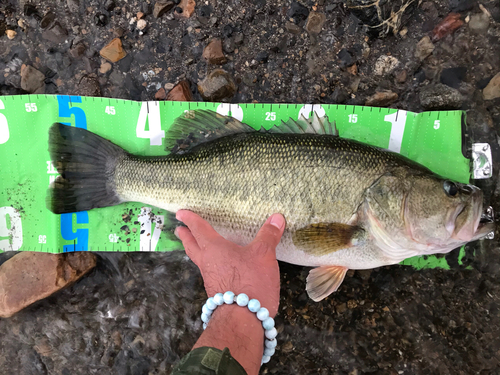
(199, 126)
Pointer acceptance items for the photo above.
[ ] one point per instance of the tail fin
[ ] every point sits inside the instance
(86, 163)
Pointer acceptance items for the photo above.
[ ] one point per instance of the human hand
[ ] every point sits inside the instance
(225, 266)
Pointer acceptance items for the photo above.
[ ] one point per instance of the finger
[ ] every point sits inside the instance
(200, 229)
(272, 230)
(190, 245)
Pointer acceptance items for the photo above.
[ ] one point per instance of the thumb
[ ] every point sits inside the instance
(270, 233)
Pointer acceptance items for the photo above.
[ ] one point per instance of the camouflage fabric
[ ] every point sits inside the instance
(208, 361)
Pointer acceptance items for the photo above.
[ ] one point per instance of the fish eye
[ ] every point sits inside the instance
(450, 188)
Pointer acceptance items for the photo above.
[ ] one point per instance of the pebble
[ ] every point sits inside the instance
(401, 76)
(88, 86)
(424, 48)
(113, 51)
(381, 99)
(169, 86)
(218, 85)
(162, 7)
(479, 23)
(315, 23)
(293, 28)
(77, 50)
(453, 76)
(105, 67)
(492, 90)
(297, 12)
(345, 57)
(56, 33)
(180, 93)
(187, 7)
(447, 26)
(213, 53)
(440, 96)
(385, 65)
(32, 80)
(30, 276)
(140, 15)
(161, 94)
(141, 24)
(11, 34)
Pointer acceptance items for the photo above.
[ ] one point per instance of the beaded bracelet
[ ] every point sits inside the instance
(254, 306)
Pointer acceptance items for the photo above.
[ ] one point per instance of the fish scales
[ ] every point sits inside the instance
(239, 181)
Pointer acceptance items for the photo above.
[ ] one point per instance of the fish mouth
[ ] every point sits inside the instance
(470, 223)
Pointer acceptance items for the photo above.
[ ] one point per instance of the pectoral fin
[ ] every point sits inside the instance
(322, 281)
(324, 238)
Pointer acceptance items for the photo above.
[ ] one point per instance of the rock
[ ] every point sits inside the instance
(453, 76)
(47, 20)
(401, 76)
(161, 94)
(187, 7)
(56, 33)
(385, 65)
(141, 24)
(88, 86)
(113, 51)
(218, 85)
(238, 38)
(439, 96)
(140, 15)
(315, 23)
(169, 86)
(11, 34)
(462, 5)
(342, 308)
(32, 80)
(492, 91)
(100, 19)
(229, 45)
(381, 99)
(479, 23)
(447, 26)
(109, 5)
(262, 57)
(293, 28)
(180, 93)
(73, 5)
(297, 12)
(424, 48)
(30, 276)
(339, 95)
(345, 57)
(77, 50)
(105, 67)
(162, 7)
(250, 79)
(213, 53)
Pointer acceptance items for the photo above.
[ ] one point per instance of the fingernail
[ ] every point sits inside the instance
(178, 215)
(176, 234)
(277, 220)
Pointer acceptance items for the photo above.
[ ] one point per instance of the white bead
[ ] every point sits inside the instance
(204, 326)
(265, 359)
(268, 323)
(270, 334)
(219, 299)
(269, 352)
(262, 314)
(206, 310)
(211, 303)
(253, 305)
(242, 299)
(271, 344)
(205, 318)
(229, 298)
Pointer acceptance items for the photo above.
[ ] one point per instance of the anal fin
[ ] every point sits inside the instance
(324, 280)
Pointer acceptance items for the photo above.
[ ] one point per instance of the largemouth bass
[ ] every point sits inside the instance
(347, 205)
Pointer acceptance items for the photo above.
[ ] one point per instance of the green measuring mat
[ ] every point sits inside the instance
(433, 139)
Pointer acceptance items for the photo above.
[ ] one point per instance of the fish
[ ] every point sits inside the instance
(347, 205)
